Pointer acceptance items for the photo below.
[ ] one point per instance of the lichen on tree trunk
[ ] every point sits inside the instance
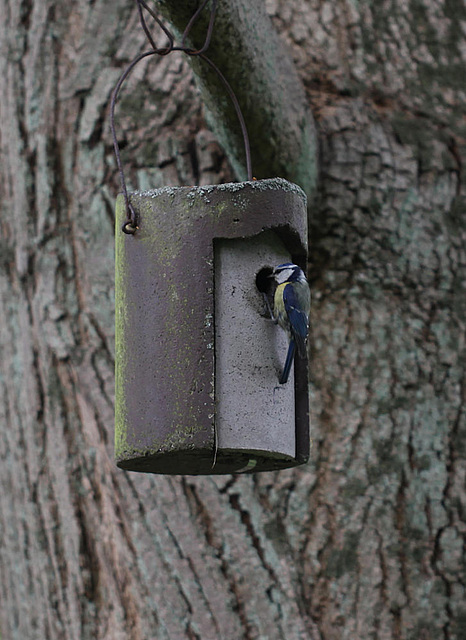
(365, 541)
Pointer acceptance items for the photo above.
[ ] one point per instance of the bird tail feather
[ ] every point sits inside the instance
(288, 362)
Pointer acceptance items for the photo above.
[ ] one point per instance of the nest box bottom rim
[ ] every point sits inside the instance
(204, 462)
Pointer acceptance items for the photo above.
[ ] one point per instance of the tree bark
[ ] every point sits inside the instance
(259, 69)
(365, 541)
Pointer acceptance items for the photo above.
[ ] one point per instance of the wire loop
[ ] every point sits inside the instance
(130, 225)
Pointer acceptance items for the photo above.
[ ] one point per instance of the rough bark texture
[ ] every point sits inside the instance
(367, 540)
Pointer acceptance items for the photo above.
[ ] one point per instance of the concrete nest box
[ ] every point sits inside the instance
(197, 355)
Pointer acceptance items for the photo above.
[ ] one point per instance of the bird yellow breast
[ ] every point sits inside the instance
(279, 306)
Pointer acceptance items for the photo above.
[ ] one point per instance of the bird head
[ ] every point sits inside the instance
(288, 272)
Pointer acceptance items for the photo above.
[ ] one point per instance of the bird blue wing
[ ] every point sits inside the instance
(299, 322)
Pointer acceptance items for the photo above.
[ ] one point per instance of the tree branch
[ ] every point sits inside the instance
(249, 53)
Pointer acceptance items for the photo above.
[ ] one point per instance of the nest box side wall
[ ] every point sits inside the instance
(164, 322)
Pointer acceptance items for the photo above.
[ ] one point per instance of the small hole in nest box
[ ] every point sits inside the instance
(264, 282)
(266, 285)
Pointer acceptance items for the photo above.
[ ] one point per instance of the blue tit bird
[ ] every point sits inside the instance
(292, 304)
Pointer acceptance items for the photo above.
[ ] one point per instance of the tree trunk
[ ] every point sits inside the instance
(366, 540)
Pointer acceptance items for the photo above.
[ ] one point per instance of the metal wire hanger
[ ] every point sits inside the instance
(130, 225)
